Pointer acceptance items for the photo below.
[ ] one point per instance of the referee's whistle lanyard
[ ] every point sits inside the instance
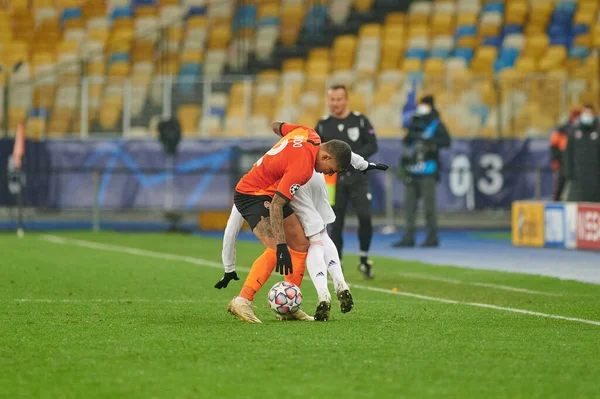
(421, 166)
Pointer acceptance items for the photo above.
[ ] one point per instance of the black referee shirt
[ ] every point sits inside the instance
(355, 130)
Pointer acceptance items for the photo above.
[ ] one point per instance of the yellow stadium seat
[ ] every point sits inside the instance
(395, 18)
(192, 56)
(418, 19)
(291, 22)
(119, 69)
(174, 33)
(363, 5)
(489, 30)
(536, 45)
(526, 64)
(16, 115)
(189, 116)
(467, 42)
(196, 22)
(293, 64)
(95, 68)
(35, 127)
(109, 116)
(467, 18)
(435, 66)
(268, 75)
(370, 30)
(583, 40)
(268, 10)
(418, 30)
(60, 121)
(318, 53)
(145, 11)
(40, 58)
(98, 34)
(411, 65)
(219, 37)
(442, 24)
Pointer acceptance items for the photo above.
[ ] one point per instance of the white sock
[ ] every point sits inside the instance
(317, 269)
(334, 266)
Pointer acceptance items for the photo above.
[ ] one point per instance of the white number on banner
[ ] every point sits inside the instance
(493, 184)
(460, 176)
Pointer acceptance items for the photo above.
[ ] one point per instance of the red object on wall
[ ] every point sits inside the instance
(588, 226)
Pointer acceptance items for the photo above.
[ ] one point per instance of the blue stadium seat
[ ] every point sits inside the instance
(419, 53)
(464, 53)
(579, 52)
(560, 41)
(188, 77)
(579, 29)
(495, 41)
(137, 3)
(494, 7)
(415, 76)
(567, 6)
(555, 30)
(121, 12)
(511, 28)
(218, 112)
(70, 13)
(442, 53)
(38, 113)
(196, 11)
(509, 54)
(118, 57)
(466, 30)
(245, 17)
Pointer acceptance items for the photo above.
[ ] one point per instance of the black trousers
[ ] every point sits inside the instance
(420, 187)
(352, 187)
(559, 185)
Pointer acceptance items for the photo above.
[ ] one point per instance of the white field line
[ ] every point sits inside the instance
(206, 263)
(476, 284)
(98, 300)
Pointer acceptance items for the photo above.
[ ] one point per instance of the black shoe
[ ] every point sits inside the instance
(366, 269)
(405, 242)
(430, 242)
(346, 301)
(323, 309)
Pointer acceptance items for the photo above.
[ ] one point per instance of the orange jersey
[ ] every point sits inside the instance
(286, 166)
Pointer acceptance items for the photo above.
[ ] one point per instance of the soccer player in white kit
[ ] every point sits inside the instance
(311, 205)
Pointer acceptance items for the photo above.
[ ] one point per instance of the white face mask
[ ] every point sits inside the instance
(586, 119)
(423, 109)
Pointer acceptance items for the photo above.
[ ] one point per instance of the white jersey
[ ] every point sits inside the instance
(311, 205)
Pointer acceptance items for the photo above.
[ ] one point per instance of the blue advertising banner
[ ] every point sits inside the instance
(475, 174)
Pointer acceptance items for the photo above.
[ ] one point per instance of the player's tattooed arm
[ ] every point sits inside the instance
(276, 216)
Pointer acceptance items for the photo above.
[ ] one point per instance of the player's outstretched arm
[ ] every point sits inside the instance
(234, 225)
(284, 259)
(359, 163)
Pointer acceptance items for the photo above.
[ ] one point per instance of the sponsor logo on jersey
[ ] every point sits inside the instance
(267, 204)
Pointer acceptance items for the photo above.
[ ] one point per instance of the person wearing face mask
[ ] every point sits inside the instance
(420, 169)
(582, 158)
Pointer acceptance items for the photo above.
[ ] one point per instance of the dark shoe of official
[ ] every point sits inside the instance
(431, 242)
(346, 301)
(323, 309)
(366, 269)
(405, 242)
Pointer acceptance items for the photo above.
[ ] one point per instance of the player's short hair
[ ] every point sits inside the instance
(338, 87)
(340, 151)
(590, 107)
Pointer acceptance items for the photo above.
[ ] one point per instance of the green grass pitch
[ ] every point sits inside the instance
(138, 317)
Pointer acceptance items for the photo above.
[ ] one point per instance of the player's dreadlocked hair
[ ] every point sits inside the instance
(340, 151)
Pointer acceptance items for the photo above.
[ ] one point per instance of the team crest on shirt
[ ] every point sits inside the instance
(294, 188)
(267, 204)
(353, 133)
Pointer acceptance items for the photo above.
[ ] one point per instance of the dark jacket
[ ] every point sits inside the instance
(426, 135)
(558, 145)
(582, 162)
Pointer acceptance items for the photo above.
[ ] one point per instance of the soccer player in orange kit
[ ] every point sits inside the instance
(262, 196)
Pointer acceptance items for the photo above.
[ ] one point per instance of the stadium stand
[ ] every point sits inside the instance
(226, 67)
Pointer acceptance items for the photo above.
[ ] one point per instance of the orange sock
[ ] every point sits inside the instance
(299, 265)
(259, 274)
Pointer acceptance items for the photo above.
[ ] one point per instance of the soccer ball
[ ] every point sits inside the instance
(285, 298)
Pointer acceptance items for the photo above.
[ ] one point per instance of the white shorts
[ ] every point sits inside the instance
(311, 205)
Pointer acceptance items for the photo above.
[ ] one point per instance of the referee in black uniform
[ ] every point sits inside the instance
(356, 130)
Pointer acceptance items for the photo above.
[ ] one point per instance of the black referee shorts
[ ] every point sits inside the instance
(255, 207)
